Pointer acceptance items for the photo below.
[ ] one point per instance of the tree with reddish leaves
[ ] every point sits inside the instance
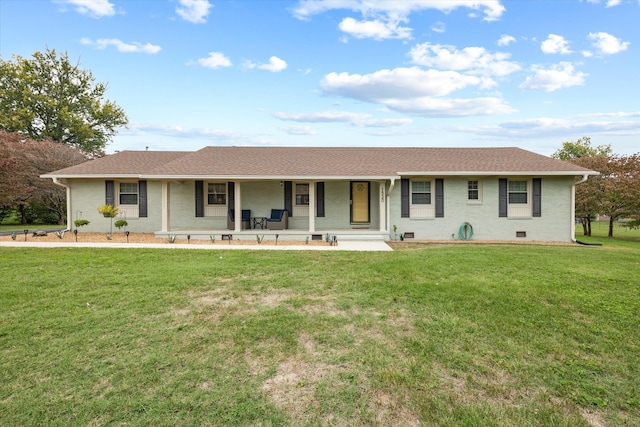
(22, 161)
(614, 193)
(621, 189)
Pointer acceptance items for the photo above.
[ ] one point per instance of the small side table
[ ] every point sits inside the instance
(260, 221)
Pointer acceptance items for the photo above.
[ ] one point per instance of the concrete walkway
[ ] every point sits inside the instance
(356, 245)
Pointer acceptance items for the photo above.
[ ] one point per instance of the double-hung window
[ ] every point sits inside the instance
(420, 192)
(217, 193)
(474, 191)
(519, 198)
(302, 194)
(301, 199)
(128, 199)
(422, 199)
(128, 194)
(518, 193)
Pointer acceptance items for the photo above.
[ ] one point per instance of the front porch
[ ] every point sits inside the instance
(271, 235)
(316, 210)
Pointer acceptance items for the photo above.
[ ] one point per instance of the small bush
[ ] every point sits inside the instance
(80, 222)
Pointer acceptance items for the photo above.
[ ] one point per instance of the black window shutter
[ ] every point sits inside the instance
(109, 193)
(502, 197)
(404, 198)
(231, 195)
(199, 198)
(288, 197)
(142, 199)
(439, 198)
(320, 199)
(537, 197)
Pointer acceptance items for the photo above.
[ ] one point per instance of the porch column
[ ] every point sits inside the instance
(382, 197)
(165, 206)
(312, 207)
(237, 207)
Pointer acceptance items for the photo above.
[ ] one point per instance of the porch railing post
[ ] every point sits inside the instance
(312, 206)
(237, 207)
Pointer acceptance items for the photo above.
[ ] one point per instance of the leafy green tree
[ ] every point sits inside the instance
(49, 97)
(581, 148)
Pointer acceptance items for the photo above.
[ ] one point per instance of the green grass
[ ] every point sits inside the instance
(438, 335)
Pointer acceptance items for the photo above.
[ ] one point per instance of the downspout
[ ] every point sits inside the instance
(573, 206)
(392, 183)
(55, 181)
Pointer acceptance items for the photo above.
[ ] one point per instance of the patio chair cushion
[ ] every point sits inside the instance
(276, 215)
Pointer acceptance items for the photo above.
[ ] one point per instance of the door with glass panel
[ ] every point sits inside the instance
(360, 202)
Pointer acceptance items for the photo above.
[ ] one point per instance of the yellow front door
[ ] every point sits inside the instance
(359, 202)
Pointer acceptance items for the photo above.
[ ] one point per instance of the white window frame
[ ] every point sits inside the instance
(422, 210)
(302, 209)
(478, 189)
(519, 210)
(226, 196)
(128, 211)
(216, 209)
(296, 184)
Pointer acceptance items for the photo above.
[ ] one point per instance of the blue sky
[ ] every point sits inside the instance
(446, 73)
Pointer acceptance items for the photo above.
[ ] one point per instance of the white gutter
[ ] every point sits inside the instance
(493, 173)
(573, 206)
(55, 181)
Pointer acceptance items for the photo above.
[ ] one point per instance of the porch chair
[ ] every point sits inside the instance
(246, 220)
(279, 220)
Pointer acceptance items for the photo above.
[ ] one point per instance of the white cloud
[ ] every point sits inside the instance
(195, 11)
(556, 128)
(275, 65)
(608, 44)
(141, 129)
(555, 44)
(506, 40)
(610, 3)
(354, 119)
(93, 8)
(414, 91)
(121, 46)
(376, 29)
(214, 60)
(492, 9)
(298, 130)
(476, 60)
(559, 76)
(381, 19)
(439, 27)
(397, 83)
(443, 107)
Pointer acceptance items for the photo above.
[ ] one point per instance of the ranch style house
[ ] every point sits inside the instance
(502, 194)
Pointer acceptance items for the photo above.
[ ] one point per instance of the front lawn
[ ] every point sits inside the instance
(438, 335)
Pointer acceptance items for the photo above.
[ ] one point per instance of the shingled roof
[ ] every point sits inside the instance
(319, 163)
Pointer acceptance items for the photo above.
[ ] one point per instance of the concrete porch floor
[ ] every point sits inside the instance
(341, 235)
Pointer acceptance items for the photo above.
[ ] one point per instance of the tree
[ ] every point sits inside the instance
(621, 198)
(581, 148)
(615, 192)
(22, 161)
(48, 97)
